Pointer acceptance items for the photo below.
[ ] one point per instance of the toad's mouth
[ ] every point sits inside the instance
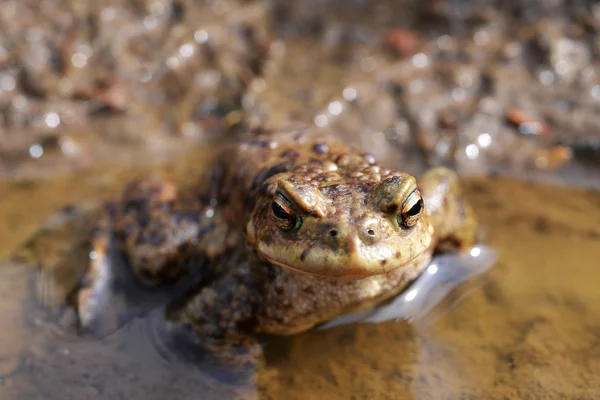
(348, 273)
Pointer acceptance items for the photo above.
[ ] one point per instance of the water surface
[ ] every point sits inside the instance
(528, 328)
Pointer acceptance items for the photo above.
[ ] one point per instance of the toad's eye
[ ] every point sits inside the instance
(285, 216)
(411, 210)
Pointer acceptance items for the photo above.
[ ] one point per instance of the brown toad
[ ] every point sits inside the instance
(288, 230)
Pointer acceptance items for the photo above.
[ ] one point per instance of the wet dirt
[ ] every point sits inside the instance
(527, 329)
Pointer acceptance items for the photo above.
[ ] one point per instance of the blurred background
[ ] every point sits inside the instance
(485, 86)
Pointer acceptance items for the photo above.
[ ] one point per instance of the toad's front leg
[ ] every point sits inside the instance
(450, 213)
(222, 317)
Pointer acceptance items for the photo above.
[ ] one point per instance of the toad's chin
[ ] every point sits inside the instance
(352, 272)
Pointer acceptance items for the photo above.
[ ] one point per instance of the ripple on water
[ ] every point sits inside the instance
(40, 358)
(443, 274)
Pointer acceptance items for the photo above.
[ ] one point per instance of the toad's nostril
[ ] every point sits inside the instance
(333, 233)
(371, 232)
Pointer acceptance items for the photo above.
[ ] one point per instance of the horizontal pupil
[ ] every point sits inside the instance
(280, 212)
(416, 209)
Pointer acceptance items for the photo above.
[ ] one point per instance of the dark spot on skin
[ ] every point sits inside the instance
(320, 148)
(262, 143)
(304, 254)
(154, 238)
(394, 180)
(289, 154)
(309, 290)
(398, 254)
(384, 261)
(111, 208)
(268, 239)
(133, 205)
(143, 217)
(125, 230)
(260, 131)
(266, 173)
(392, 209)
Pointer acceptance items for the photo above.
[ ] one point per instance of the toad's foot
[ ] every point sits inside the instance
(91, 296)
(450, 213)
(225, 311)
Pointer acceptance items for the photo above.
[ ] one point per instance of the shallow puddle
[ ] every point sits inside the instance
(489, 86)
(527, 329)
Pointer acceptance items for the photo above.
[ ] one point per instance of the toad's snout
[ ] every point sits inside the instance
(351, 236)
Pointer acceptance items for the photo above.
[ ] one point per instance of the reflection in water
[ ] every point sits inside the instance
(444, 273)
(39, 358)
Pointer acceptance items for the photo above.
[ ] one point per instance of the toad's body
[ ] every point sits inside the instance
(288, 230)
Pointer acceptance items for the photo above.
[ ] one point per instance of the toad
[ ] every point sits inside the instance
(287, 230)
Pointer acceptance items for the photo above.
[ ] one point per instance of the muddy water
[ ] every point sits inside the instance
(527, 329)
